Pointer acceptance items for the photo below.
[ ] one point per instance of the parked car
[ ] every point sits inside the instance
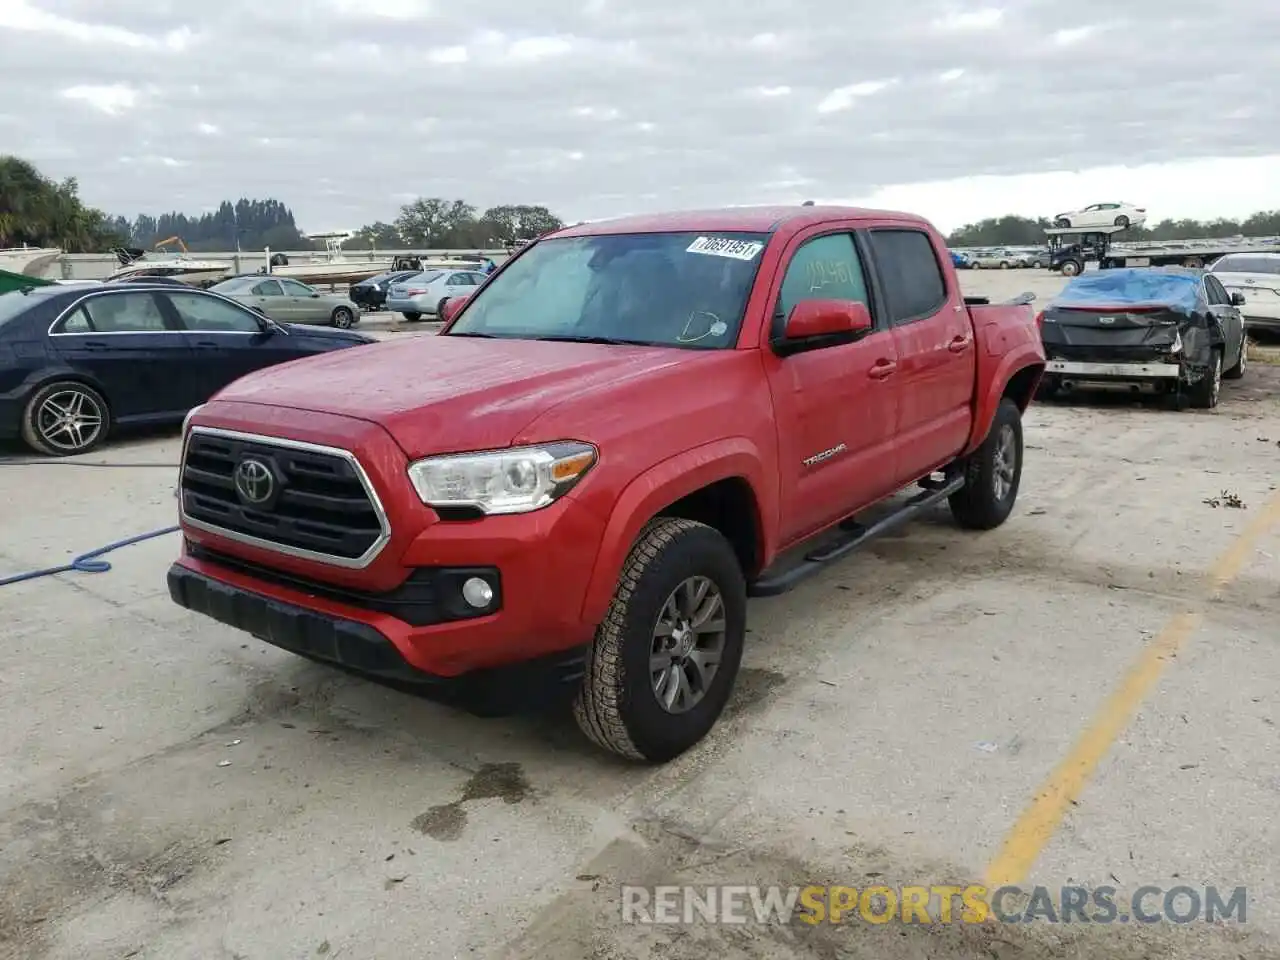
(959, 260)
(424, 293)
(1256, 278)
(286, 300)
(1102, 215)
(995, 259)
(77, 361)
(371, 294)
(1171, 330)
(632, 426)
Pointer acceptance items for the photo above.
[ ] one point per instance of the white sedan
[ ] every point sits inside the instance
(1098, 215)
(1256, 277)
(427, 291)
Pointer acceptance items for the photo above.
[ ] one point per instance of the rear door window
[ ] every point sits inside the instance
(914, 286)
(125, 313)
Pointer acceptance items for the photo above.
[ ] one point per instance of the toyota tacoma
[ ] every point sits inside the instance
(627, 430)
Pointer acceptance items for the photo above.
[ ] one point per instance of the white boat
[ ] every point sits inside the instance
(28, 261)
(332, 266)
(161, 263)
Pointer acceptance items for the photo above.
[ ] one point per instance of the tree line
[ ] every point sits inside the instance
(40, 212)
(436, 223)
(1016, 231)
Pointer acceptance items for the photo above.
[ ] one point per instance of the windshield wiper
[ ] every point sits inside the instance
(614, 341)
(487, 336)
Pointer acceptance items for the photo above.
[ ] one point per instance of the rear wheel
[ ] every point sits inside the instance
(412, 317)
(1062, 222)
(1004, 264)
(440, 308)
(65, 418)
(1203, 394)
(992, 473)
(1122, 222)
(1070, 268)
(664, 661)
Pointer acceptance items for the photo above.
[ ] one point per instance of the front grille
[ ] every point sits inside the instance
(321, 506)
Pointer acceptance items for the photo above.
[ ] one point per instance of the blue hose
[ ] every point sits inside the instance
(87, 562)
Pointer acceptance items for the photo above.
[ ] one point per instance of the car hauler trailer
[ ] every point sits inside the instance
(1070, 249)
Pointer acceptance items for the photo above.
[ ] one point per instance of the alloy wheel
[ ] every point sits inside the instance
(69, 420)
(688, 644)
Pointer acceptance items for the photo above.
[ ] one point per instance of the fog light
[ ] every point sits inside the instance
(477, 592)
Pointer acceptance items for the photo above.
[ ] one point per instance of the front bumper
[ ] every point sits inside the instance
(1080, 370)
(361, 648)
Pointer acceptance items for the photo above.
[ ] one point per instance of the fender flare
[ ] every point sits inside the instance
(662, 485)
(1010, 365)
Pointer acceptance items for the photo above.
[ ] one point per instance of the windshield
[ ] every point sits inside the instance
(1237, 263)
(669, 289)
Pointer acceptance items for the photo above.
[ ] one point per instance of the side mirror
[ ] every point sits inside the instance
(1237, 300)
(811, 319)
(451, 308)
(315, 295)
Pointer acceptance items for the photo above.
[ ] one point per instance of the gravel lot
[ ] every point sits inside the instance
(1086, 695)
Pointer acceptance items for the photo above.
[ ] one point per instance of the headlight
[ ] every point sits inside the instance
(518, 480)
(186, 421)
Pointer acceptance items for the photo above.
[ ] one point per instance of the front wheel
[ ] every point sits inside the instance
(343, 318)
(992, 473)
(65, 418)
(664, 661)
(1070, 268)
(412, 317)
(1237, 371)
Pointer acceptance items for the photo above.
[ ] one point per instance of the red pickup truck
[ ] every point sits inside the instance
(630, 428)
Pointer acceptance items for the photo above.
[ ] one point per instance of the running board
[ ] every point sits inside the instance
(854, 536)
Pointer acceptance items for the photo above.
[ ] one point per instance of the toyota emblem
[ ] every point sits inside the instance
(254, 481)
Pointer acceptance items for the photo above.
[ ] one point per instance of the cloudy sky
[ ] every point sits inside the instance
(345, 109)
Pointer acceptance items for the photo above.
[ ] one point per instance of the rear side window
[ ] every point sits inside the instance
(125, 313)
(908, 266)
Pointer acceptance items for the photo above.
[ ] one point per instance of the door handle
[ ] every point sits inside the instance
(882, 369)
(959, 344)
(206, 343)
(94, 345)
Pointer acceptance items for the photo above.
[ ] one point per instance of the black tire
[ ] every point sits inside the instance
(440, 307)
(1004, 264)
(412, 317)
(1204, 393)
(343, 318)
(1070, 268)
(617, 707)
(989, 493)
(1062, 222)
(37, 431)
(1037, 264)
(1122, 222)
(1236, 371)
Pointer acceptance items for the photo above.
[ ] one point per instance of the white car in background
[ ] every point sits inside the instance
(1102, 215)
(1256, 277)
(427, 291)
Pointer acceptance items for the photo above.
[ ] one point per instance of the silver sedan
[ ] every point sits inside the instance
(286, 300)
(427, 292)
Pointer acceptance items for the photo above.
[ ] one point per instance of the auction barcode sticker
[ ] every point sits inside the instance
(724, 247)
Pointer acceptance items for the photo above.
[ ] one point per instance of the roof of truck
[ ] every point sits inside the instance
(763, 219)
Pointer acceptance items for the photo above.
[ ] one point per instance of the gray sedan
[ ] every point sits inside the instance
(289, 301)
(427, 292)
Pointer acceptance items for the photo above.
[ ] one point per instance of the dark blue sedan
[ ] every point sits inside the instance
(78, 360)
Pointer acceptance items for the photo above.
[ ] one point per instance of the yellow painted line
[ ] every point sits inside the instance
(1043, 815)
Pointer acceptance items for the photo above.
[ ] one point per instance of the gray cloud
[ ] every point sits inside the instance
(344, 109)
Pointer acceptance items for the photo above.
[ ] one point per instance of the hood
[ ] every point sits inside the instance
(446, 394)
(1250, 281)
(327, 333)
